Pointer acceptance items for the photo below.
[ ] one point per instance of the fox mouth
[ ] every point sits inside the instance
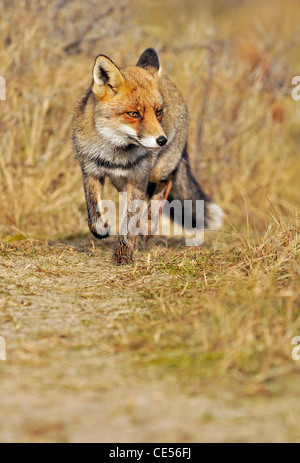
(134, 141)
(138, 142)
(152, 143)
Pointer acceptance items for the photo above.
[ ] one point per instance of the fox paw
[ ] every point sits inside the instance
(100, 229)
(122, 257)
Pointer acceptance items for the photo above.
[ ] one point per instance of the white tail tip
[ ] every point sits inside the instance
(214, 217)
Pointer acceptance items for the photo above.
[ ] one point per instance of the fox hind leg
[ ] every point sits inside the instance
(154, 211)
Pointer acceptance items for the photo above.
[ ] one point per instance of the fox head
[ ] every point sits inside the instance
(129, 106)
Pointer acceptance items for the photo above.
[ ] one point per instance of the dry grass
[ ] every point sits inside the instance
(210, 320)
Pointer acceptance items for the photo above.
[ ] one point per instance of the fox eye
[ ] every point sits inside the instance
(159, 112)
(134, 114)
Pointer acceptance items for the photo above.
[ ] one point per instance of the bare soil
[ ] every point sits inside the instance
(64, 380)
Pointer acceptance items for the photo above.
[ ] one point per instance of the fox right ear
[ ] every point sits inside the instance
(107, 77)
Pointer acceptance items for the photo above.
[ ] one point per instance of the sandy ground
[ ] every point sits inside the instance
(63, 382)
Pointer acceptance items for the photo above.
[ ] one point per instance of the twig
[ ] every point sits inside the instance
(212, 62)
(73, 47)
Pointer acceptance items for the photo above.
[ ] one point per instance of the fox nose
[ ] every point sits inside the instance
(161, 141)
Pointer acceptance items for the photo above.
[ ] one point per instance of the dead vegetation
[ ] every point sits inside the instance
(198, 339)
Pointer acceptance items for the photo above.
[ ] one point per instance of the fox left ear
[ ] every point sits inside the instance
(107, 77)
(150, 61)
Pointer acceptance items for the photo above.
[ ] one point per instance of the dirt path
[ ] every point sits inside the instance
(66, 380)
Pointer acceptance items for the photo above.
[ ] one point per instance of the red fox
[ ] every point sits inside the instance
(131, 126)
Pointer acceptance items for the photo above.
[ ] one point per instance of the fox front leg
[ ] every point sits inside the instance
(93, 189)
(127, 242)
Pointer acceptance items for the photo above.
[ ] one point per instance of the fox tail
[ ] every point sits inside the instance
(186, 187)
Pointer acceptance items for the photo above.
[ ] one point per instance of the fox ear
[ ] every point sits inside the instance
(107, 77)
(150, 61)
